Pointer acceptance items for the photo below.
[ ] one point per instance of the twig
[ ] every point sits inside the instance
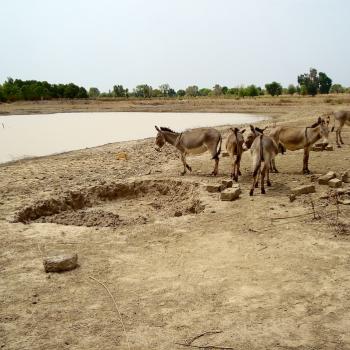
(209, 347)
(190, 341)
(116, 307)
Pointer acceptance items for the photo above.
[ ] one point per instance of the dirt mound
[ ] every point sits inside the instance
(115, 204)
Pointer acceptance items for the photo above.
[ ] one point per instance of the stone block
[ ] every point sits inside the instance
(335, 183)
(60, 262)
(230, 194)
(305, 189)
(324, 179)
(212, 188)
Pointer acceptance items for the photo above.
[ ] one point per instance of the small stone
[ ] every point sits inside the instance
(344, 201)
(212, 188)
(225, 154)
(230, 194)
(324, 195)
(345, 177)
(316, 148)
(305, 189)
(61, 262)
(178, 213)
(226, 184)
(335, 183)
(323, 180)
(329, 148)
(314, 177)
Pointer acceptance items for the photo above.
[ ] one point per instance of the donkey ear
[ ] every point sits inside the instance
(242, 131)
(157, 128)
(252, 128)
(319, 120)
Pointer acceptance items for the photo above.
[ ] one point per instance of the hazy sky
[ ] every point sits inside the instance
(181, 42)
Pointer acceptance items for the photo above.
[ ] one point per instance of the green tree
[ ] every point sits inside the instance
(337, 89)
(251, 90)
(233, 91)
(274, 88)
(119, 91)
(204, 92)
(310, 81)
(217, 90)
(180, 93)
(143, 90)
(192, 91)
(291, 89)
(224, 90)
(325, 83)
(164, 89)
(94, 92)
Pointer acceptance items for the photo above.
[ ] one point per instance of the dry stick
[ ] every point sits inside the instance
(116, 307)
(206, 346)
(190, 341)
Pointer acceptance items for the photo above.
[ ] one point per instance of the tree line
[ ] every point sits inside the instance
(310, 83)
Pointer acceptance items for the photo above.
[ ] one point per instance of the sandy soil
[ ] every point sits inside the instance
(260, 271)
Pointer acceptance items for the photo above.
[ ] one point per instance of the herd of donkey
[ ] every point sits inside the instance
(263, 147)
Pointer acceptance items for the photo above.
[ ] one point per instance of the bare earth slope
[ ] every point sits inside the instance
(179, 262)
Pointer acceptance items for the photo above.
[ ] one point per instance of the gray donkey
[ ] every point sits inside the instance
(195, 141)
(234, 146)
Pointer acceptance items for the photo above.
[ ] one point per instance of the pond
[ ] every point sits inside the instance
(24, 136)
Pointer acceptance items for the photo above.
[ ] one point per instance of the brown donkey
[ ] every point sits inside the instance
(294, 138)
(341, 118)
(195, 141)
(234, 146)
(263, 149)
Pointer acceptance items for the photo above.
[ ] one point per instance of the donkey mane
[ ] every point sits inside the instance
(167, 129)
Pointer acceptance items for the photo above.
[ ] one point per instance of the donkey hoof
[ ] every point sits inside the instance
(256, 185)
(183, 173)
(269, 183)
(239, 173)
(338, 146)
(251, 192)
(263, 191)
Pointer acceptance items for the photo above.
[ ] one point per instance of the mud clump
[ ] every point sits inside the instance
(115, 204)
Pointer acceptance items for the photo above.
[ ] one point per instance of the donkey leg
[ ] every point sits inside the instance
(263, 172)
(337, 133)
(216, 166)
(268, 182)
(306, 160)
(273, 166)
(340, 137)
(183, 159)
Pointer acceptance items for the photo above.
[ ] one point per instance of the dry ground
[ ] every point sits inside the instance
(257, 269)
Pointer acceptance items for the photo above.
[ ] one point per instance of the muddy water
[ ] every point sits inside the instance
(44, 134)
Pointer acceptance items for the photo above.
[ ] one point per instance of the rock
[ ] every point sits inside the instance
(344, 201)
(314, 177)
(178, 213)
(224, 154)
(226, 184)
(212, 188)
(121, 156)
(305, 189)
(230, 194)
(292, 197)
(324, 195)
(345, 177)
(329, 148)
(316, 148)
(324, 179)
(335, 183)
(60, 262)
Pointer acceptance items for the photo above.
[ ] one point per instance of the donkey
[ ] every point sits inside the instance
(341, 118)
(263, 149)
(195, 141)
(234, 146)
(294, 138)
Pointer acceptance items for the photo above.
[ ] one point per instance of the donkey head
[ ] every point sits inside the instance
(324, 130)
(253, 133)
(160, 139)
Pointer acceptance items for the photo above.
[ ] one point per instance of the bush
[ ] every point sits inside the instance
(274, 88)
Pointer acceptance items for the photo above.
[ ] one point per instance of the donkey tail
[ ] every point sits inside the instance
(218, 150)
